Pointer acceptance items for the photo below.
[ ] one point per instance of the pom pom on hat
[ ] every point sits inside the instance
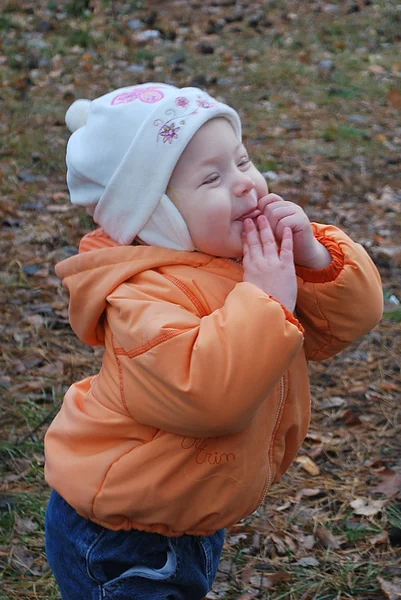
(77, 115)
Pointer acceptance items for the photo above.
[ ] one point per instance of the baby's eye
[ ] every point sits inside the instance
(211, 179)
(244, 162)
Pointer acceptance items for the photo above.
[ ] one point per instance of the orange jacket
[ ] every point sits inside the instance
(202, 400)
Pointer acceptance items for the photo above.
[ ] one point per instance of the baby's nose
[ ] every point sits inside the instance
(243, 185)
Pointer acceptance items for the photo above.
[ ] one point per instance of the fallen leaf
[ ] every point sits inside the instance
(234, 539)
(367, 508)
(380, 538)
(390, 484)
(333, 402)
(308, 465)
(307, 541)
(260, 581)
(394, 98)
(392, 591)
(24, 560)
(326, 538)
(24, 526)
(377, 69)
(308, 561)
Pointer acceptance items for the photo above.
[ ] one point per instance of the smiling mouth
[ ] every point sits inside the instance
(250, 215)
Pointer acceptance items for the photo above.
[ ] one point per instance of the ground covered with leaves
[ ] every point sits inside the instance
(318, 85)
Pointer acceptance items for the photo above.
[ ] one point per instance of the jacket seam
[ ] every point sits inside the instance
(120, 375)
(105, 477)
(190, 295)
(119, 351)
(279, 416)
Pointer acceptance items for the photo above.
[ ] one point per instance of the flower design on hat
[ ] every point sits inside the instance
(182, 101)
(148, 95)
(169, 132)
(205, 103)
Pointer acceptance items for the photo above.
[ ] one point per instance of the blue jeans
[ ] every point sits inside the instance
(90, 562)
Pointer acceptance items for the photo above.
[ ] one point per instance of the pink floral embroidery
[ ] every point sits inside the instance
(169, 133)
(205, 103)
(148, 95)
(182, 101)
(167, 125)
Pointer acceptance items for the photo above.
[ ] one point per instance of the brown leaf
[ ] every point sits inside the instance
(308, 465)
(392, 591)
(380, 538)
(326, 538)
(394, 98)
(280, 544)
(390, 484)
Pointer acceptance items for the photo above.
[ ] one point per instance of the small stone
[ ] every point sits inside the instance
(32, 269)
(36, 156)
(199, 81)
(33, 62)
(44, 26)
(255, 20)
(37, 43)
(11, 222)
(225, 81)
(237, 14)
(150, 19)
(44, 62)
(205, 48)
(357, 119)
(175, 60)
(135, 24)
(33, 206)
(30, 177)
(136, 68)
(331, 9)
(149, 34)
(215, 26)
(291, 125)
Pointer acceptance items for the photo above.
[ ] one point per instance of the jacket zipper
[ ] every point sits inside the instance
(278, 413)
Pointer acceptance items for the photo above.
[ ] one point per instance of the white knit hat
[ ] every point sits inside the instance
(122, 153)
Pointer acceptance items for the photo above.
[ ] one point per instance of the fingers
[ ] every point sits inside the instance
(269, 199)
(287, 243)
(251, 240)
(266, 235)
(258, 239)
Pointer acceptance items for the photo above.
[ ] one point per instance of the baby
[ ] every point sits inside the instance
(209, 295)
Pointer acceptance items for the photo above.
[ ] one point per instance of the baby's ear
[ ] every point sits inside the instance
(77, 115)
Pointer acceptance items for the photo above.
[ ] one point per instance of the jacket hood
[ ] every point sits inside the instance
(102, 265)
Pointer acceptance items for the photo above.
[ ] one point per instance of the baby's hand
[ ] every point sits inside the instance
(264, 266)
(308, 252)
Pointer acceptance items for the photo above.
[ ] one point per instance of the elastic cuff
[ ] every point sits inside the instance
(290, 316)
(329, 273)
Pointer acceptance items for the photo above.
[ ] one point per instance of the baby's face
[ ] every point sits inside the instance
(214, 186)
